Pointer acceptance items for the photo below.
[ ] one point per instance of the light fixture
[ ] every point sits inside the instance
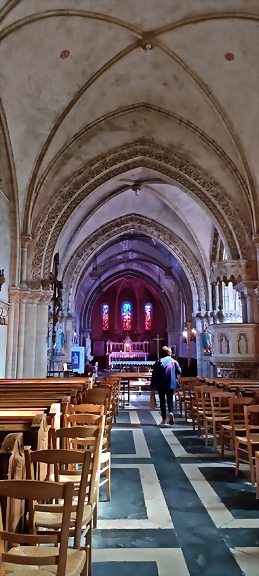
(185, 336)
(148, 48)
(2, 279)
(193, 335)
(95, 272)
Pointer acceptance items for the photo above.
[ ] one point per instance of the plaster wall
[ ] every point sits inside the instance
(5, 247)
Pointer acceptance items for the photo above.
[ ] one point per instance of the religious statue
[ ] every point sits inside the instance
(242, 344)
(224, 345)
(207, 341)
(88, 345)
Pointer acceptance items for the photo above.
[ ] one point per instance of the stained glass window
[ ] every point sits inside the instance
(105, 316)
(148, 316)
(126, 312)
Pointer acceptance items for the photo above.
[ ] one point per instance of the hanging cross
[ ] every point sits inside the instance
(157, 345)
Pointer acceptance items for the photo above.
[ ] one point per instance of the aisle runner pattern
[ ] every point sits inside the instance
(173, 511)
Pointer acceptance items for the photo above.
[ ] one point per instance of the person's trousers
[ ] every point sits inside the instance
(163, 396)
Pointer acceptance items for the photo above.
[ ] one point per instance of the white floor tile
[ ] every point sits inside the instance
(170, 561)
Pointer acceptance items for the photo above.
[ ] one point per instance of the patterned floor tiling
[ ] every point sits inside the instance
(148, 538)
(127, 501)
(194, 524)
(128, 443)
(235, 492)
(128, 494)
(168, 561)
(248, 560)
(221, 516)
(238, 537)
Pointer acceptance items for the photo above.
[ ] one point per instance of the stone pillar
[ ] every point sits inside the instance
(40, 369)
(171, 338)
(25, 239)
(30, 333)
(10, 348)
(199, 344)
(20, 351)
(69, 330)
(188, 328)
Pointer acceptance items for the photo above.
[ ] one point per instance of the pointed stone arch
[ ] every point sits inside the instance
(187, 176)
(135, 222)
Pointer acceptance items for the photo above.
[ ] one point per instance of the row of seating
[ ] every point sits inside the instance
(229, 412)
(83, 441)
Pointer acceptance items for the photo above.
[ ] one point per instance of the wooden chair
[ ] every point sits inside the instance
(105, 460)
(45, 516)
(257, 473)
(84, 438)
(203, 406)
(237, 422)
(220, 413)
(25, 550)
(245, 446)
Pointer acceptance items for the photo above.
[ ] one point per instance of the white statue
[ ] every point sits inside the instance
(88, 345)
(242, 344)
(224, 345)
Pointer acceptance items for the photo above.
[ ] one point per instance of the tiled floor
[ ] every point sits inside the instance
(177, 509)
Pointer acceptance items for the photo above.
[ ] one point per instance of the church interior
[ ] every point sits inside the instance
(129, 221)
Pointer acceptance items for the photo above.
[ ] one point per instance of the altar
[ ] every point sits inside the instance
(126, 351)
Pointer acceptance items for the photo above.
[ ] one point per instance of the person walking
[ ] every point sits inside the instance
(164, 381)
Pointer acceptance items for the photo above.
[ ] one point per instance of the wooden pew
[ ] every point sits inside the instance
(12, 466)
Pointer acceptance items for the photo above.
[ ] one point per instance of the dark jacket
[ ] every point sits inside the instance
(164, 374)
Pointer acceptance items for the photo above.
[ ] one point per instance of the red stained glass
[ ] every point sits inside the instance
(105, 316)
(126, 310)
(148, 316)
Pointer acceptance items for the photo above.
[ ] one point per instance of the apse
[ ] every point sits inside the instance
(127, 308)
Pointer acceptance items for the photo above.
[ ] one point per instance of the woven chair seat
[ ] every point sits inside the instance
(75, 561)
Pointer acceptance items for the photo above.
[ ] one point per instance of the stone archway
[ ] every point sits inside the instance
(115, 228)
(188, 176)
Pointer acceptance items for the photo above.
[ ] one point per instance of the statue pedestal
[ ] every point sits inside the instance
(235, 350)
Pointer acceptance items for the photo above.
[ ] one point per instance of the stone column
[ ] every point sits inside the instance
(10, 348)
(25, 239)
(40, 369)
(171, 337)
(188, 328)
(69, 330)
(20, 351)
(30, 333)
(199, 344)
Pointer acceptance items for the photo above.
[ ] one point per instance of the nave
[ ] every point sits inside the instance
(176, 507)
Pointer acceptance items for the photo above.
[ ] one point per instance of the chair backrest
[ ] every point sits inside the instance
(84, 419)
(83, 438)
(220, 403)
(205, 394)
(87, 408)
(251, 420)
(63, 461)
(30, 491)
(237, 416)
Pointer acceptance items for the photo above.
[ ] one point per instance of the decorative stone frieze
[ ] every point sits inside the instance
(188, 176)
(235, 349)
(229, 271)
(137, 222)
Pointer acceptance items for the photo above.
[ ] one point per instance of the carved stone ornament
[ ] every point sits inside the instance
(136, 222)
(188, 176)
(228, 271)
(236, 369)
(3, 313)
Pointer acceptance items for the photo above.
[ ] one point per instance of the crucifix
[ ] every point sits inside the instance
(157, 345)
(56, 302)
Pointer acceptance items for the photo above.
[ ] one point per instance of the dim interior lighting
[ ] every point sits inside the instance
(74, 333)
(185, 336)
(193, 335)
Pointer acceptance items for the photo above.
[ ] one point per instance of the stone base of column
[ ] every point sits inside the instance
(235, 350)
